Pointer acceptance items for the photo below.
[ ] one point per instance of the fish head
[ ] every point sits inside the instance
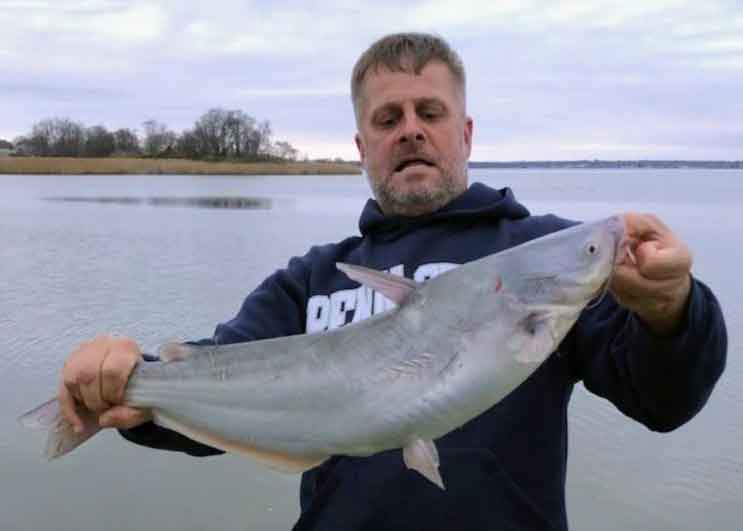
(567, 269)
(550, 280)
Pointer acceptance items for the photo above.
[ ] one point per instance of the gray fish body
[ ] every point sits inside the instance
(458, 345)
(453, 348)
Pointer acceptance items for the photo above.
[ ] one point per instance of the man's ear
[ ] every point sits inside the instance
(468, 128)
(360, 147)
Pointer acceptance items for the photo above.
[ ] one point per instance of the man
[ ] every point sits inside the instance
(656, 357)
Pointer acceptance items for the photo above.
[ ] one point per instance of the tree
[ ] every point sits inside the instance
(99, 142)
(22, 145)
(221, 133)
(264, 138)
(158, 139)
(126, 142)
(188, 145)
(4, 144)
(60, 137)
(70, 138)
(238, 125)
(217, 134)
(284, 150)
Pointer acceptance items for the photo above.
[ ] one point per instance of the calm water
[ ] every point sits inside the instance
(159, 263)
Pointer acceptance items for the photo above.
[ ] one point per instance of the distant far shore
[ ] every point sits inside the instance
(611, 164)
(155, 166)
(142, 166)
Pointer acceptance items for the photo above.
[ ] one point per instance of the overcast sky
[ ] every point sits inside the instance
(547, 79)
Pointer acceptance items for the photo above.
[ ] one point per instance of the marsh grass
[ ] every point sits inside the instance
(138, 166)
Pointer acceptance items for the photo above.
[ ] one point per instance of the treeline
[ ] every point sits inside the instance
(218, 134)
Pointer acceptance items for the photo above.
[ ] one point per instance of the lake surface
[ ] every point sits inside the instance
(148, 257)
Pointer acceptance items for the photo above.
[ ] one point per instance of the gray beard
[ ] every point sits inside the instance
(417, 202)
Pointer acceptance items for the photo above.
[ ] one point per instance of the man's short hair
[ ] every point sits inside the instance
(405, 52)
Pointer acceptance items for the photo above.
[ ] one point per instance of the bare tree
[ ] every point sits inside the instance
(188, 145)
(264, 138)
(70, 139)
(99, 142)
(158, 139)
(217, 134)
(59, 137)
(126, 142)
(284, 150)
(211, 132)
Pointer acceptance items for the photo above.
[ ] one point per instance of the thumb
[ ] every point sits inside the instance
(124, 417)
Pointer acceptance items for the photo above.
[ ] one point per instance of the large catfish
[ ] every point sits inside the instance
(451, 348)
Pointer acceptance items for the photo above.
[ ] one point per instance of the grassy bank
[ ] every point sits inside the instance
(109, 166)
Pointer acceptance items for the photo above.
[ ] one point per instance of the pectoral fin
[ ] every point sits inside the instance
(272, 459)
(421, 455)
(393, 287)
(539, 341)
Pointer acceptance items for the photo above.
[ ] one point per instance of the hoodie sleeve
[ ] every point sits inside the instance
(276, 308)
(660, 381)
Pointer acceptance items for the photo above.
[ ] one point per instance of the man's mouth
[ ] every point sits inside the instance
(412, 162)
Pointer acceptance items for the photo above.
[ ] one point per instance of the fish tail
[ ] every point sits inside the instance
(61, 438)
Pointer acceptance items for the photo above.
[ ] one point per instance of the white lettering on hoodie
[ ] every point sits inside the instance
(326, 312)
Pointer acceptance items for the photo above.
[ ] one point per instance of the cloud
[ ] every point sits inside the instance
(111, 24)
(561, 77)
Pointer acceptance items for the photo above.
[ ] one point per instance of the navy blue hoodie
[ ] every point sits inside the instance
(506, 468)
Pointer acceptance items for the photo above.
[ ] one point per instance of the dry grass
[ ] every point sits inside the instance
(82, 166)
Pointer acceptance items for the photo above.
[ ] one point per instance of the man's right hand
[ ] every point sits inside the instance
(94, 377)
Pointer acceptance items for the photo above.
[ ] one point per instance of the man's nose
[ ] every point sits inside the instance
(411, 131)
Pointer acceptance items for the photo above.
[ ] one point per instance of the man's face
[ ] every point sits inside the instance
(414, 138)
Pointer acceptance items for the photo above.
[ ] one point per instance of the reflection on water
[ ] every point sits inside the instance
(231, 202)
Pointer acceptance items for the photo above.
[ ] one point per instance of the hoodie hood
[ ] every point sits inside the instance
(478, 200)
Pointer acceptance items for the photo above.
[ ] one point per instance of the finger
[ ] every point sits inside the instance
(643, 226)
(92, 400)
(68, 408)
(646, 296)
(124, 417)
(627, 283)
(116, 369)
(662, 260)
(89, 375)
(77, 368)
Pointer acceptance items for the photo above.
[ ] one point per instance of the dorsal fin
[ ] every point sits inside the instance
(394, 287)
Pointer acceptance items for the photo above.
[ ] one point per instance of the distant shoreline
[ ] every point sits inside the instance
(147, 166)
(141, 166)
(612, 164)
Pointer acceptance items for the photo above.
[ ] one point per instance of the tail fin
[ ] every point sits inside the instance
(62, 438)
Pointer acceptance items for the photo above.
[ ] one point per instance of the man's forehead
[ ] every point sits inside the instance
(434, 79)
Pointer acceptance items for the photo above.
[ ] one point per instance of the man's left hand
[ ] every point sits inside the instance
(653, 279)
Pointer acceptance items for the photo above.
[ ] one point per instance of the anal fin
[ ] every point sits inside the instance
(272, 459)
(421, 455)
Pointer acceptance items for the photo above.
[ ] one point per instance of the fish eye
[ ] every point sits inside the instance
(592, 248)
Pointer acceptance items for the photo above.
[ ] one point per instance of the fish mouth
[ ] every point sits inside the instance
(413, 160)
(622, 249)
